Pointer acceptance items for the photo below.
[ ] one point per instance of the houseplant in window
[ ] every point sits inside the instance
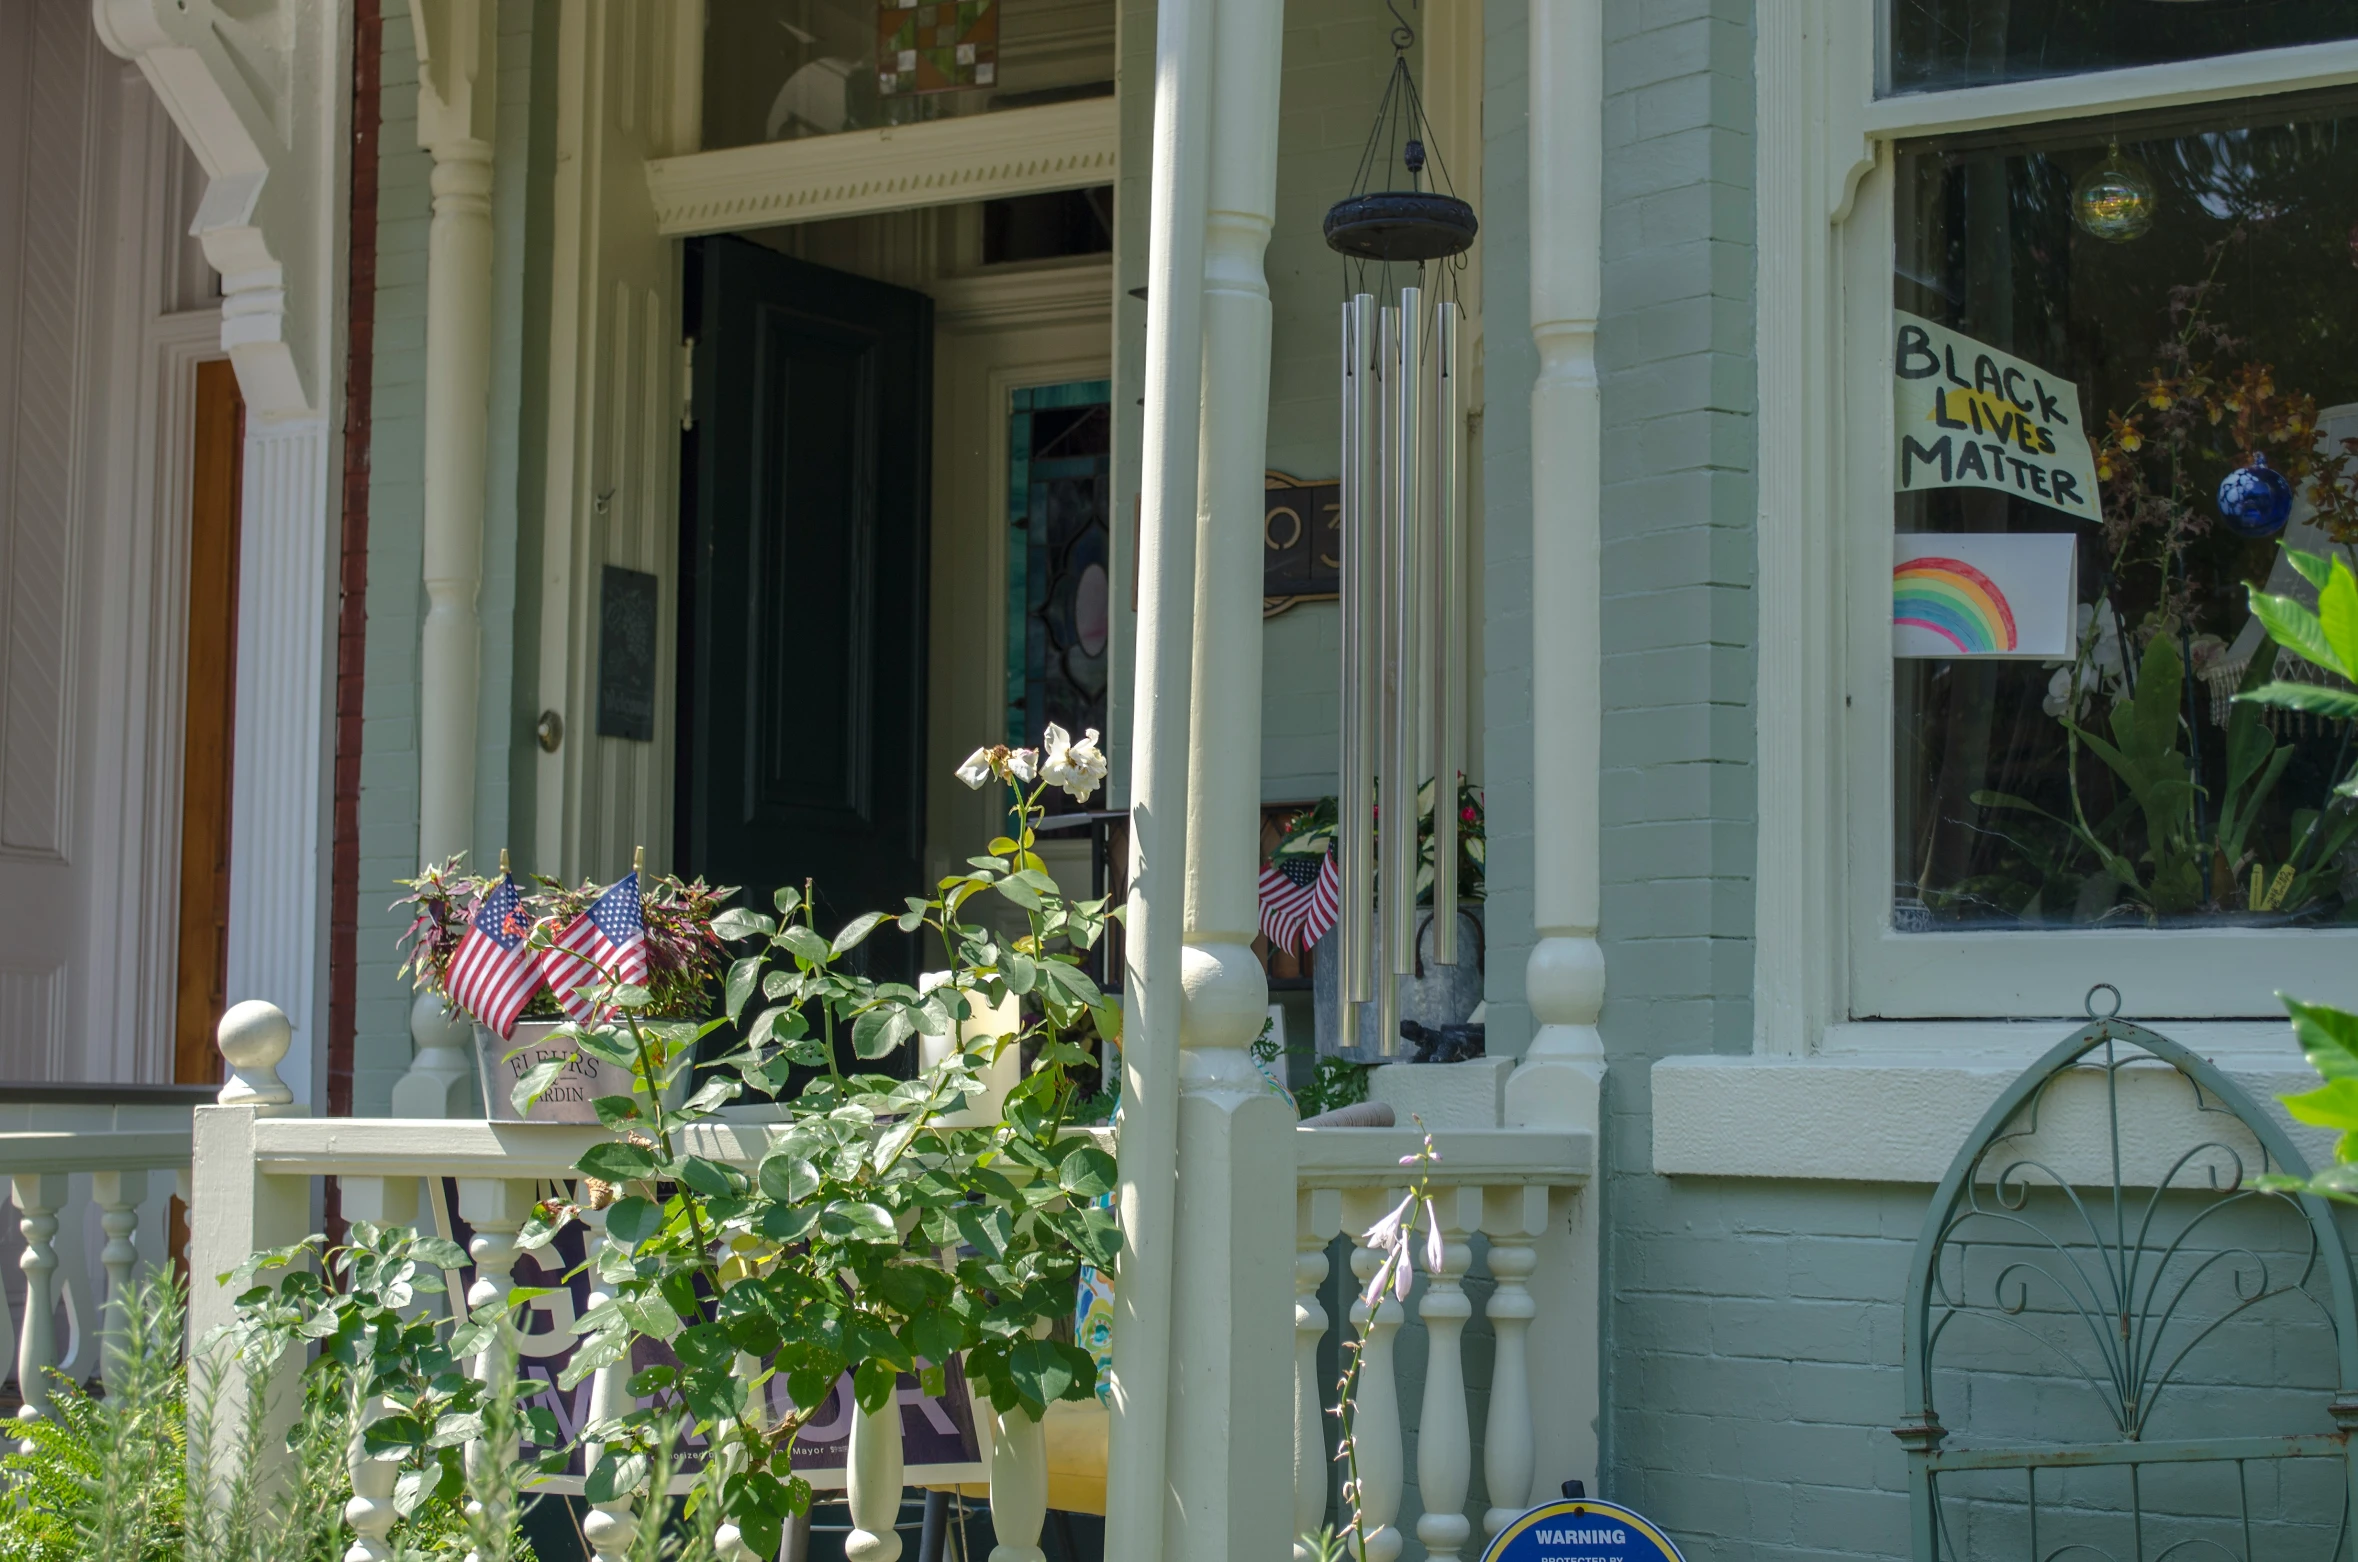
(518, 958)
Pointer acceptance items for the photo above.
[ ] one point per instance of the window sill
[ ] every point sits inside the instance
(1893, 1102)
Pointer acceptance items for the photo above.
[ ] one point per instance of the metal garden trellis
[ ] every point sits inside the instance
(2117, 1266)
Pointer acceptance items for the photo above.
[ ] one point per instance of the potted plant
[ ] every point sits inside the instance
(684, 961)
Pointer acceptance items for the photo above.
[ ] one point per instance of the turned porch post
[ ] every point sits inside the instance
(1561, 1077)
(458, 69)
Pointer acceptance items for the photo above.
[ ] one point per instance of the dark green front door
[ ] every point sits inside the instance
(804, 538)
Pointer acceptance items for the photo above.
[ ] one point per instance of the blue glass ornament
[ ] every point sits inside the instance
(2256, 500)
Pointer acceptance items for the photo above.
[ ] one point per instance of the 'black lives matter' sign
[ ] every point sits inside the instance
(1969, 416)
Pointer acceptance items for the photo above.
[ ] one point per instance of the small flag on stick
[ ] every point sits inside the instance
(490, 977)
(607, 943)
(1299, 898)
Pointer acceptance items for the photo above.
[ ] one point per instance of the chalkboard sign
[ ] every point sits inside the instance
(1301, 540)
(1577, 1529)
(626, 655)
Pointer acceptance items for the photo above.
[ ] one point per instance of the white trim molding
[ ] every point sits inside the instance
(1893, 1104)
(1058, 146)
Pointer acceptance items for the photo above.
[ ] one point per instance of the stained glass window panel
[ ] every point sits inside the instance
(1059, 557)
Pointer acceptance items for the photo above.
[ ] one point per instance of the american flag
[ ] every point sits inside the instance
(607, 943)
(1299, 899)
(490, 977)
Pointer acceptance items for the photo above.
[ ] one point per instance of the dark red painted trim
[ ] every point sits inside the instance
(368, 46)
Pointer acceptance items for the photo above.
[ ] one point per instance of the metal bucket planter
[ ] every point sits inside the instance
(569, 1099)
(1434, 996)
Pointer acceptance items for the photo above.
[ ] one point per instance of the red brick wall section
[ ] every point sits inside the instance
(368, 40)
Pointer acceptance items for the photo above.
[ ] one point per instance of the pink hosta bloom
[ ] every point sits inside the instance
(1434, 1250)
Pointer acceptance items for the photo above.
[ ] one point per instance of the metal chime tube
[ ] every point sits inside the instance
(1448, 479)
(1361, 537)
(1398, 821)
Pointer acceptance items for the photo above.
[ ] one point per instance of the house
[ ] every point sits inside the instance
(693, 425)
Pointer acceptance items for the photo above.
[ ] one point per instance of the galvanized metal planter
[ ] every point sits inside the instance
(2111, 1275)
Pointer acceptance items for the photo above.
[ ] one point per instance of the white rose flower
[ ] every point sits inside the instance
(1076, 767)
(1023, 763)
(977, 768)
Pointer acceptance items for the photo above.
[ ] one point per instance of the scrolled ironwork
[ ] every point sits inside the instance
(2109, 1282)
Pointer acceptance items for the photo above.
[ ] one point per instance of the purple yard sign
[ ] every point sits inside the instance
(939, 1445)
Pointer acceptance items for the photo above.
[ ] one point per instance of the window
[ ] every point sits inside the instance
(1059, 559)
(780, 70)
(1966, 43)
(2090, 263)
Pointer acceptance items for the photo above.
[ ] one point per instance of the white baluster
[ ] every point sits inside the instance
(609, 1527)
(1444, 1450)
(118, 1195)
(380, 1201)
(1319, 1215)
(873, 1480)
(1514, 1219)
(38, 1199)
(496, 1208)
(1019, 1485)
(1375, 1423)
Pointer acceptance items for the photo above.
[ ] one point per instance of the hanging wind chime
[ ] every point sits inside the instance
(1403, 470)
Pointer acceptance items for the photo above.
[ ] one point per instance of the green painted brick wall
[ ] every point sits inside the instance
(396, 591)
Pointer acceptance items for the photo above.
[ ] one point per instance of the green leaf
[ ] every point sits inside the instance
(633, 1220)
(788, 900)
(858, 1220)
(879, 1031)
(1041, 1370)
(2328, 1037)
(2315, 698)
(615, 1161)
(712, 1096)
(535, 1084)
(744, 976)
(743, 922)
(1021, 971)
(617, 1112)
(709, 1178)
(856, 931)
(2290, 624)
(806, 945)
(788, 1222)
(615, 1476)
(2315, 568)
(788, 1178)
(2332, 1105)
(2337, 615)
(1022, 894)
(873, 1382)
(1087, 1172)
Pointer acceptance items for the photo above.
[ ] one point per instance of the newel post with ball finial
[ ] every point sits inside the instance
(235, 1210)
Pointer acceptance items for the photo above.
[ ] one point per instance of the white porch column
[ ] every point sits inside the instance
(1559, 1081)
(1231, 1436)
(458, 64)
(1137, 1478)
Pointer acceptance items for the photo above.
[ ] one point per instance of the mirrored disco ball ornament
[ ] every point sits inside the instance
(2114, 200)
(2256, 500)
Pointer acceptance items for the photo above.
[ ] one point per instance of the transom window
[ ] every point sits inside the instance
(1937, 44)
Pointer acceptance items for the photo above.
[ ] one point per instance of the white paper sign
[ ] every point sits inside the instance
(2001, 595)
(1969, 416)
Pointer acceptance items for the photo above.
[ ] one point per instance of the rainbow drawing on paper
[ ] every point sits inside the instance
(1952, 599)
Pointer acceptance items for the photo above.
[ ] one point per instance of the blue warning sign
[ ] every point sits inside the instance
(1577, 1529)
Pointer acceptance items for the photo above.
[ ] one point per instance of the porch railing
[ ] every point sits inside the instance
(258, 1168)
(92, 1171)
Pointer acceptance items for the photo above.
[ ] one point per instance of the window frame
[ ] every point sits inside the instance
(1826, 951)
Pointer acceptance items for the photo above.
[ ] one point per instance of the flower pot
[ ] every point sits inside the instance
(499, 1064)
(1434, 995)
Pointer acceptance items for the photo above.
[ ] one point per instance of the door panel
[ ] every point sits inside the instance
(803, 754)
